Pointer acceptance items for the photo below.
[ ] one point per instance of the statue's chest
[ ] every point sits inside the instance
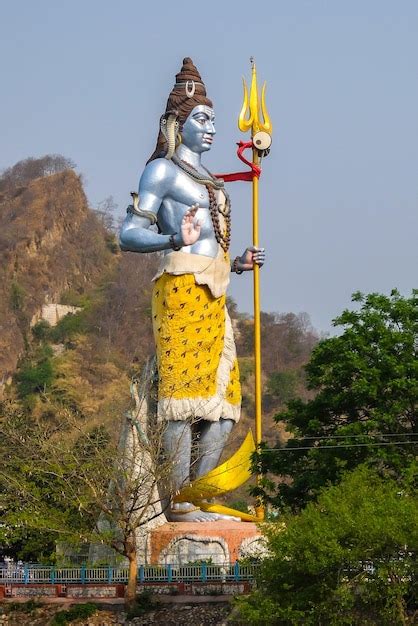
(186, 191)
(213, 213)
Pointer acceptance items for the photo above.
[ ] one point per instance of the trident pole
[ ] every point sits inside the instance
(256, 297)
(254, 117)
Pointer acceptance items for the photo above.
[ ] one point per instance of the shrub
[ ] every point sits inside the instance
(79, 611)
(24, 607)
(143, 603)
(346, 559)
(35, 376)
(41, 330)
(112, 243)
(283, 385)
(70, 325)
(17, 296)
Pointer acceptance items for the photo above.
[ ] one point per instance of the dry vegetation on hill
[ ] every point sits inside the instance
(50, 241)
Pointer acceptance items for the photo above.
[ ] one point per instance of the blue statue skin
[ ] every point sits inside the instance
(182, 207)
(165, 190)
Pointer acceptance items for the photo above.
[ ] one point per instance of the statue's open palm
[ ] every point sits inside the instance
(190, 228)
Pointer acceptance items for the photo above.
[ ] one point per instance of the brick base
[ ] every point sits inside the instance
(185, 542)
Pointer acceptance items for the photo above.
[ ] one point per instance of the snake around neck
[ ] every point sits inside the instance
(203, 179)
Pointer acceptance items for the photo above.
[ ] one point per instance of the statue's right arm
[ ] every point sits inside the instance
(135, 234)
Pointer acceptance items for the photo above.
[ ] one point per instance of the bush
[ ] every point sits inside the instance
(246, 367)
(283, 385)
(239, 505)
(41, 330)
(112, 243)
(79, 611)
(24, 607)
(347, 559)
(70, 325)
(35, 376)
(143, 603)
(17, 296)
(74, 298)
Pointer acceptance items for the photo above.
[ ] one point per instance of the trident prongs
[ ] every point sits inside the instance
(250, 115)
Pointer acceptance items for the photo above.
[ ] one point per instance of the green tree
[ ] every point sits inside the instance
(33, 546)
(365, 407)
(79, 485)
(35, 373)
(282, 385)
(347, 559)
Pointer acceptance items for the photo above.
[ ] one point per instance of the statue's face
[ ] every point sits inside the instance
(199, 129)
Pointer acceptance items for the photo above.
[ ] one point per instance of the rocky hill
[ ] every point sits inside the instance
(50, 242)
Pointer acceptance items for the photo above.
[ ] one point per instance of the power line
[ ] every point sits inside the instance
(349, 445)
(357, 436)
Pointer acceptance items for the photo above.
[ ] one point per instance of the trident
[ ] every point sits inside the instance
(261, 131)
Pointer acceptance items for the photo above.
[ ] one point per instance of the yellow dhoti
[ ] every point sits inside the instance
(197, 364)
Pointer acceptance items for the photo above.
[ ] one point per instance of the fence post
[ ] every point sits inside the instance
(109, 574)
(169, 574)
(83, 574)
(204, 571)
(141, 574)
(236, 570)
(52, 575)
(26, 574)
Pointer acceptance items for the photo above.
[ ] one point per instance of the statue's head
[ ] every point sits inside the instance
(188, 116)
(199, 128)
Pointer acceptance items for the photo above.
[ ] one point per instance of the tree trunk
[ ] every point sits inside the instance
(130, 593)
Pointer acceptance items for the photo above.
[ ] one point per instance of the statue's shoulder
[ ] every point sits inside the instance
(159, 171)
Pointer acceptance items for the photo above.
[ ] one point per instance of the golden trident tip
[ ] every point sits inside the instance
(250, 116)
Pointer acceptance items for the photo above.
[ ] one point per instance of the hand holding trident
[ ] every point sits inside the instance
(261, 131)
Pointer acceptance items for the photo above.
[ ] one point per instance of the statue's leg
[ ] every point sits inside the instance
(212, 440)
(177, 442)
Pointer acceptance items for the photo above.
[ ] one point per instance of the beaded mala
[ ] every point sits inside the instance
(223, 238)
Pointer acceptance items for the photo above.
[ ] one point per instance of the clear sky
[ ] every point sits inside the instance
(339, 193)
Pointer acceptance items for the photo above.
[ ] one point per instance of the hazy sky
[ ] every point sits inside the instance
(339, 192)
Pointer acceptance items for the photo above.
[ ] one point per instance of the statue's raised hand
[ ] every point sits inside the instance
(252, 256)
(190, 228)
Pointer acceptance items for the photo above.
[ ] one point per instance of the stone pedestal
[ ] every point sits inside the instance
(223, 542)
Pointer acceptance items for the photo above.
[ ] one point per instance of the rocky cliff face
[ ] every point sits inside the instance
(49, 241)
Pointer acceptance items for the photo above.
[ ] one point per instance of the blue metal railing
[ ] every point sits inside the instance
(202, 572)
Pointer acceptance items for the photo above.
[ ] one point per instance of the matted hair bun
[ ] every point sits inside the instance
(188, 92)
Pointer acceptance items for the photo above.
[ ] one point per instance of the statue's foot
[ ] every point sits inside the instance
(188, 512)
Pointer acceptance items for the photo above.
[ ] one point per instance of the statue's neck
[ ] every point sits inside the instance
(192, 158)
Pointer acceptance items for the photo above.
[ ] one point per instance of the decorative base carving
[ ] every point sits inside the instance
(219, 542)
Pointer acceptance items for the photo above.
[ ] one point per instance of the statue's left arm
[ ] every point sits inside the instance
(135, 234)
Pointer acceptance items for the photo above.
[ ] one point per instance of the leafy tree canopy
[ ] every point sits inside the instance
(347, 559)
(365, 407)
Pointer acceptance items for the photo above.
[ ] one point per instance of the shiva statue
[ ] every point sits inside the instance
(184, 211)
